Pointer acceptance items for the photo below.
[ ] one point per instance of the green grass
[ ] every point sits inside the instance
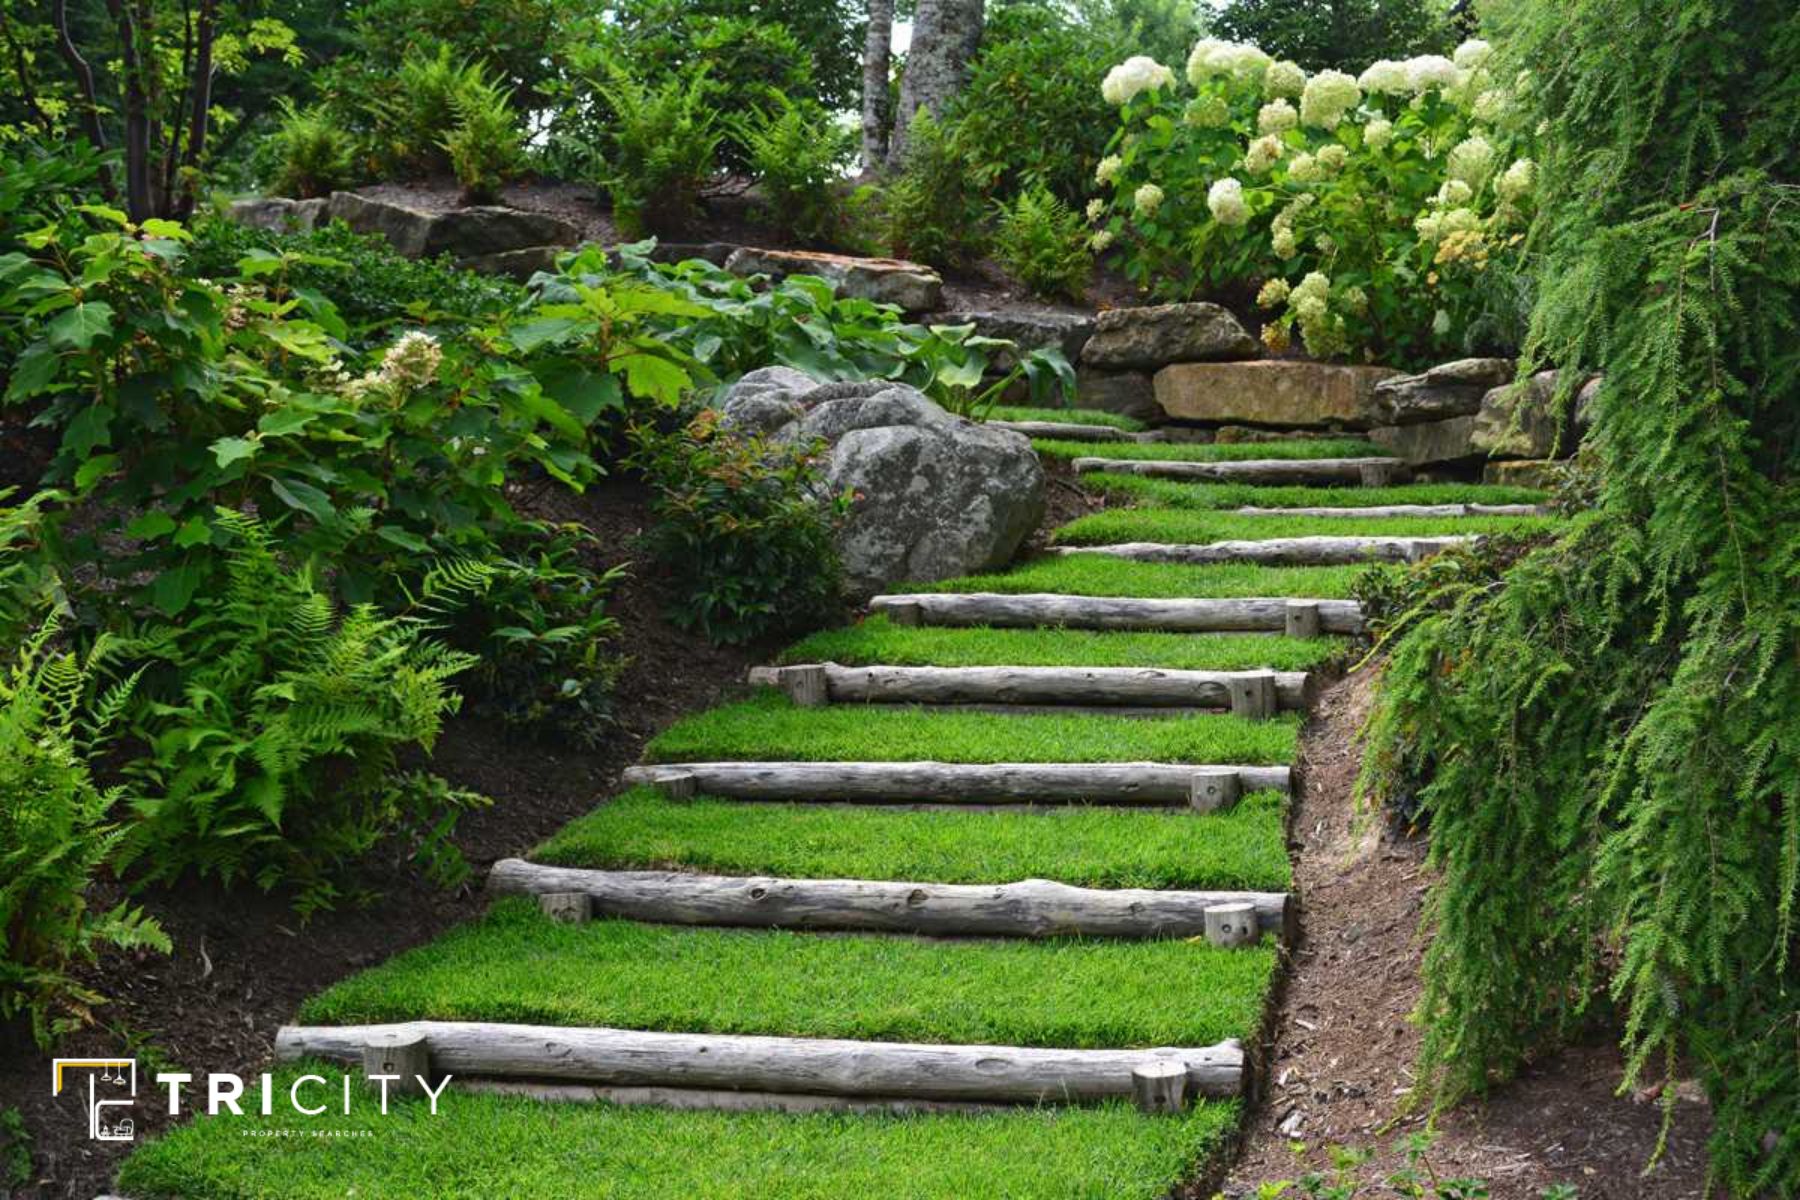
(878, 641)
(483, 1147)
(1089, 847)
(1210, 451)
(1171, 493)
(517, 965)
(769, 726)
(1071, 416)
(1098, 575)
(1195, 525)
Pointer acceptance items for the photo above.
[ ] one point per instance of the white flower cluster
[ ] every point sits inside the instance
(1385, 77)
(1213, 59)
(1096, 208)
(1148, 199)
(1207, 112)
(1139, 73)
(1101, 240)
(1263, 153)
(1472, 54)
(1108, 168)
(1284, 78)
(1516, 182)
(1470, 160)
(1277, 116)
(1378, 133)
(1225, 199)
(1273, 294)
(1429, 71)
(410, 363)
(1329, 95)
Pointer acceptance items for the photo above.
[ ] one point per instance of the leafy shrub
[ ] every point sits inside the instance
(659, 151)
(1044, 244)
(933, 209)
(313, 154)
(484, 146)
(743, 529)
(414, 114)
(55, 833)
(272, 729)
(1343, 34)
(797, 154)
(1368, 209)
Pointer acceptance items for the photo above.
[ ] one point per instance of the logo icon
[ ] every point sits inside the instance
(106, 1077)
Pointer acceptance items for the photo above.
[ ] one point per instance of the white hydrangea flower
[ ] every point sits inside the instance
(1460, 220)
(1470, 160)
(412, 361)
(1378, 133)
(1277, 116)
(1317, 284)
(1207, 112)
(1226, 200)
(1284, 78)
(1096, 208)
(1328, 96)
(1283, 243)
(1489, 106)
(1429, 71)
(1472, 54)
(1428, 225)
(1273, 294)
(1147, 199)
(1199, 63)
(1332, 157)
(1440, 323)
(1108, 168)
(1139, 73)
(1263, 153)
(1305, 169)
(1355, 301)
(1516, 181)
(1101, 240)
(1309, 308)
(1324, 242)
(1385, 78)
(1214, 59)
(1455, 192)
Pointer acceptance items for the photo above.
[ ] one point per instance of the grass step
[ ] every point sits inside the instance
(1373, 468)
(516, 965)
(1170, 493)
(1068, 430)
(1032, 908)
(1241, 848)
(1248, 614)
(1401, 510)
(1202, 526)
(1314, 550)
(1017, 685)
(1090, 575)
(1084, 416)
(1210, 452)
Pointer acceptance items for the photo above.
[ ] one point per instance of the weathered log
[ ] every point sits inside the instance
(816, 1066)
(701, 1099)
(1233, 923)
(1215, 789)
(400, 1058)
(1067, 430)
(1315, 551)
(1378, 473)
(1031, 908)
(1399, 510)
(900, 782)
(1092, 686)
(808, 686)
(1159, 1087)
(1302, 618)
(570, 907)
(1031, 609)
(1254, 470)
(1253, 695)
(678, 785)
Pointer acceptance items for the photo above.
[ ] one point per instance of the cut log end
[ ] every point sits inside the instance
(402, 1057)
(566, 908)
(1215, 789)
(1159, 1087)
(1231, 925)
(679, 786)
(1253, 695)
(1302, 619)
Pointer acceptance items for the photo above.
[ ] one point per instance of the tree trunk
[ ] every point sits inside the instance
(84, 82)
(945, 36)
(199, 124)
(877, 66)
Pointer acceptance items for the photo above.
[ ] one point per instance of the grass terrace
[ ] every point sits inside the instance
(1209, 451)
(878, 641)
(1193, 525)
(1241, 848)
(1066, 416)
(1172, 493)
(1100, 575)
(770, 726)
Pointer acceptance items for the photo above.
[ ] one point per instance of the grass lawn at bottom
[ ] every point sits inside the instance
(769, 726)
(1196, 525)
(517, 965)
(878, 641)
(1171, 493)
(490, 1147)
(1100, 575)
(1210, 451)
(1082, 845)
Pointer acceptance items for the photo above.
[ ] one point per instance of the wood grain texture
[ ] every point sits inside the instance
(981, 783)
(1399, 510)
(1090, 686)
(1037, 609)
(1253, 470)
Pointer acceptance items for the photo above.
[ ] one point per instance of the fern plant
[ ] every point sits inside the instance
(272, 744)
(57, 833)
(314, 155)
(797, 153)
(484, 145)
(661, 150)
(1044, 243)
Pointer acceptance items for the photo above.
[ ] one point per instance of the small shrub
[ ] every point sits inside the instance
(660, 151)
(484, 147)
(412, 120)
(797, 153)
(55, 834)
(313, 154)
(933, 209)
(272, 738)
(743, 528)
(1043, 242)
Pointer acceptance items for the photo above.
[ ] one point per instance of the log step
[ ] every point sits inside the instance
(1314, 551)
(1367, 472)
(1400, 510)
(808, 1066)
(1098, 687)
(1065, 430)
(1143, 783)
(1032, 908)
(1034, 609)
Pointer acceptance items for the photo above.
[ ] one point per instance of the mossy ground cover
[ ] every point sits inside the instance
(769, 726)
(1174, 493)
(483, 1147)
(1099, 575)
(1194, 525)
(878, 641)
(1066, 416)
(1242, 848)
(1210, 451)
(517, 965)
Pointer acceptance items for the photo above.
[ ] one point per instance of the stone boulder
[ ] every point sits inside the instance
(277, 214)
(936, 496)
(1524, 421)
(1449, 390)
(1130, 393)
(462, 233)
(913, 287)
(1427, 442)
(1284, 393)
(1526, 473)
(1067, 332)
(1143, 339)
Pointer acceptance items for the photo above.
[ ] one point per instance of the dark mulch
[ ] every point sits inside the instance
(1344, 1048)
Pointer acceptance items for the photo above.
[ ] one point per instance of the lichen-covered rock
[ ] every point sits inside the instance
(1144, 339)
(1426, 442)
(516, 265)
(936, 496)
(912, 286)
(1452, 389)
(462, 233)
(277, 214)
(1129, 393)
(1525, 421)
(1284, 393)
(1529, 473)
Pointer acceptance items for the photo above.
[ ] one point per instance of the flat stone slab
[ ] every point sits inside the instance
(277, 214)
(1144, 339)
(463, 233)
(913, 287)
(1280, 392)
(1444, 441)
(1128, 393)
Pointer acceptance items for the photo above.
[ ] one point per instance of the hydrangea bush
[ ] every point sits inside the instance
(1364, 209)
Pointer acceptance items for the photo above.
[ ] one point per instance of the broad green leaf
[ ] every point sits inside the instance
(33, 371)
(156, 227)
(584, 393)
(305, 497)
(257, 263)
(194, 532)
(91, 428)
(655, 378)
(76, 328)
(228, 450)
(152, 524)
(547, 331)
(283, 421)
(175, 587)
(93, 470)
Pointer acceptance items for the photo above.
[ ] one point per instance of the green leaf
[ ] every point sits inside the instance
(546, 331)
(258, 263)
(76, 328)
(91, 427)
(33, 371)
(655, 378)
(584, 393)
(403, 539)
(156, 227)
(283, 421)
(175, 587)
(194, 532)
(152, 524)
(93, 470)
(305, 497)
(228, 450)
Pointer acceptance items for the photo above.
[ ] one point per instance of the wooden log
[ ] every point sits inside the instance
(678, 785)
(1253, 695)
(814, 1066)
(1214, 789)
(1377, 473)
(905, 613)
(1091, 686)
(1313, 551)
(716, 1099)
(1159, 1087)
(1031, 908)
(806, 686)
(980, 783)
(399, 1053)
(1302, 618)
(1399, 510)
(1233, 924)
(1256, 470)
(1067, 430)
(1036, 609)
(570, 907)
